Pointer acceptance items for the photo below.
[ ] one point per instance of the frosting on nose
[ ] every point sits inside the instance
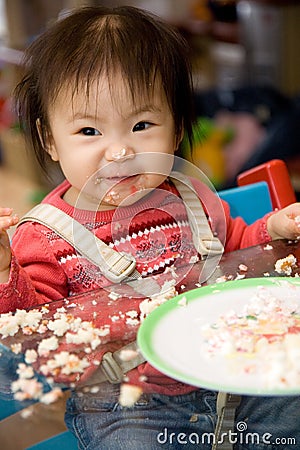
(120, 154)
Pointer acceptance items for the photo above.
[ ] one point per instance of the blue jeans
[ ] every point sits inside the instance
(268, 423)
(158, 422)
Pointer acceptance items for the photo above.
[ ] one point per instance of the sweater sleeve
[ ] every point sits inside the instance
(35, 276)
(234, 233)
(240, 235)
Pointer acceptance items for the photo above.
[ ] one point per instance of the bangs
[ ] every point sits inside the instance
(105, 46)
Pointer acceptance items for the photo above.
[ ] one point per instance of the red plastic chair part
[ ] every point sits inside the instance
(276, 174)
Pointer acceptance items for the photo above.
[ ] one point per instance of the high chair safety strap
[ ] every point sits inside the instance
(115, 266)
(113, 366)
(226, 408)
(204, 241)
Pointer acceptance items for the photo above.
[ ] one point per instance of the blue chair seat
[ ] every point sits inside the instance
(65, 441)
(251, 202)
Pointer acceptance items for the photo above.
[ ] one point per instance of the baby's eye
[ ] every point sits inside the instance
(89, 131)
(141, 126)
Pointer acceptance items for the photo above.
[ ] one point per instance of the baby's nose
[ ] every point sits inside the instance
(120, 154)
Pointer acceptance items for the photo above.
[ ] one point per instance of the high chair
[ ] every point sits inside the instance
(276, 174)
(260, 190)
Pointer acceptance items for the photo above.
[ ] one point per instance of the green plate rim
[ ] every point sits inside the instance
(150, 322)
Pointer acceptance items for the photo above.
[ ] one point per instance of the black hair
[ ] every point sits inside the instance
(95, 41)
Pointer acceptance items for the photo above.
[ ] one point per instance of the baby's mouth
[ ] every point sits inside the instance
(115, 180)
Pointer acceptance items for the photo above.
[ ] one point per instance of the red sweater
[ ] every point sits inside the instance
(154, 230)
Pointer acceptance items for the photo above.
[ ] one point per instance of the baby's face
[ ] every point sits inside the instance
(111, 150)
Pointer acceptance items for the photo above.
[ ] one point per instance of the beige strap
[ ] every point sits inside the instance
(226, 408)
(205, 242)
(115, 266)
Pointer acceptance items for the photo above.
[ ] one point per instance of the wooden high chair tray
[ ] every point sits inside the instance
(254, 349)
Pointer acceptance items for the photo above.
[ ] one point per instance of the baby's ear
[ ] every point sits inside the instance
(46, 140)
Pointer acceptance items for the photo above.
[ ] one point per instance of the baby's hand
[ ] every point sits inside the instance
(285, 223)
(7, 220)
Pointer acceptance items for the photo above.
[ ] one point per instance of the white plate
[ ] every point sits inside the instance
(171, 337)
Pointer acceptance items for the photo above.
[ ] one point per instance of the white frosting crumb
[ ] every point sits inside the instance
(221, 279)
(60, 325)
(16, 348)
(30, 356)
(25, 389)
(67, 363)
(128, 354)
(268, 247)
(194, 259)
(51, 396)
(149, 304)
(114, 295)
(240, 276)
(25, 371)
(285, 265)
(132, 322)
(26, 412)
(129, 394)
(182, 301)
(46, 345)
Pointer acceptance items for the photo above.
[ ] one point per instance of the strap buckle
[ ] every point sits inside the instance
(113, 371)
(209, 246)
(121, 268)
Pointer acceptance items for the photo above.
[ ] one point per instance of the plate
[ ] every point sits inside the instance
(171, 338)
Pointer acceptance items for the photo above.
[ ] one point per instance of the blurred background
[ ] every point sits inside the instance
(246, 70)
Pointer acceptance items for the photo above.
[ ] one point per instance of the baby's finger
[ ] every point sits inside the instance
(5, 211)
(8, 221)
(292, 229)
